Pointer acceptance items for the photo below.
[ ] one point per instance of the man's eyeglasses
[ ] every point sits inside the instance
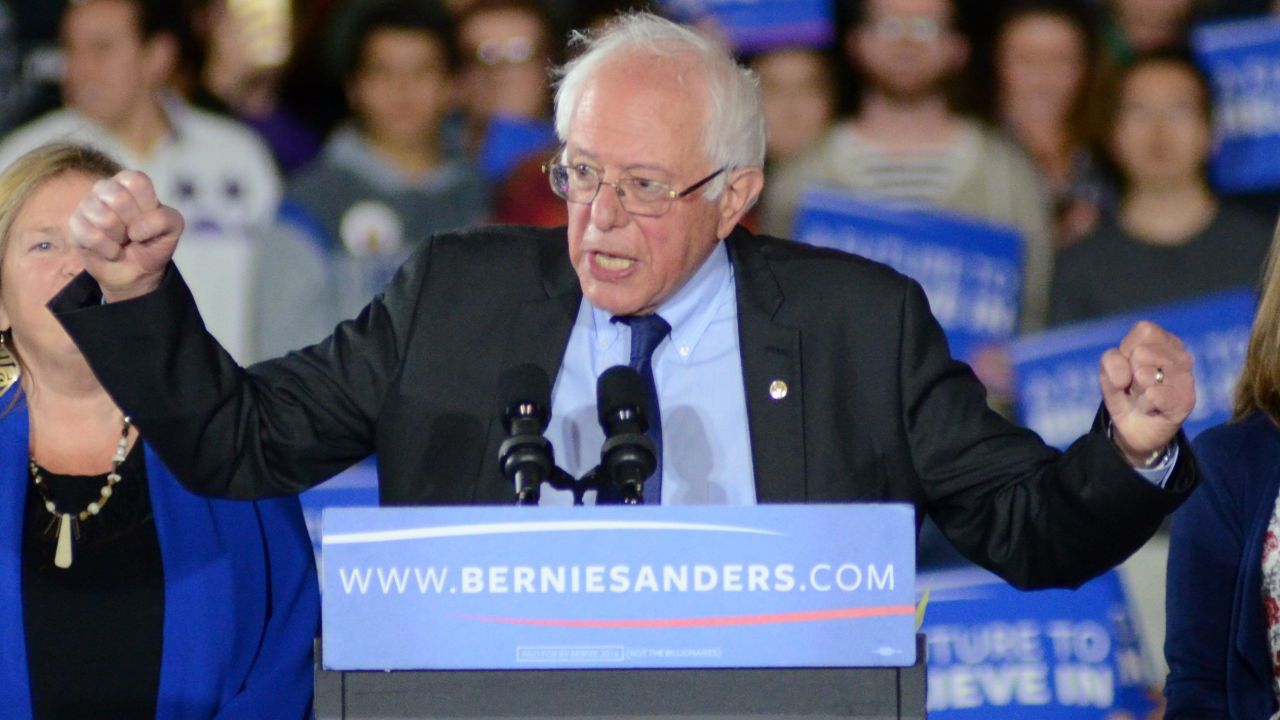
(581, 183)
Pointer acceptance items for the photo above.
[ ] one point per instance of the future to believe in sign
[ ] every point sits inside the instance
(752, 26)
(996, 652)
(1242, 60)
(1057, 371)
(970, 270)
(615, 587)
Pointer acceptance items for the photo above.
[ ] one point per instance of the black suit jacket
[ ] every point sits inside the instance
(876, 407)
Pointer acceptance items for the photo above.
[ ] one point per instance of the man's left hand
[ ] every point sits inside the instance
(1148, 389)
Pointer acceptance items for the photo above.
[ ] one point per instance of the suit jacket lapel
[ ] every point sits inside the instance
(538, 334)
(771, 372)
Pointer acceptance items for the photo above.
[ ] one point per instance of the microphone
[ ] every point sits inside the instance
(628, 456)
(524, 392)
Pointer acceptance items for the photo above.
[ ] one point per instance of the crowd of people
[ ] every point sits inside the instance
(1085, 127)
(302, 181)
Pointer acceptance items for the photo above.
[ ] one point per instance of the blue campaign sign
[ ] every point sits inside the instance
(1057, 371)
(757, 25)
(619, 587)
(996, 652)
(971, 270)
(509, 140)
(1242, 60)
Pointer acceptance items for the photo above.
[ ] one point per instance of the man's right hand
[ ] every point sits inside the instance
(125, 236)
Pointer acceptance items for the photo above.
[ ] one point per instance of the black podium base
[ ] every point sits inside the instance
(794, 693)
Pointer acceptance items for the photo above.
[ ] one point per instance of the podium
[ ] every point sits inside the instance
(662, 612)
(799, 693)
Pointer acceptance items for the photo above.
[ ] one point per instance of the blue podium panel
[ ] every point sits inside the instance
(618, 587)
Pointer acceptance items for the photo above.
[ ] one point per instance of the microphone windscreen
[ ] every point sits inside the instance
(525, 384)
(619, 387)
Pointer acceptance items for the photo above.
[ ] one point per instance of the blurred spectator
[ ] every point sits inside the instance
(29, 60)
(1170, 238)
(1044, 53)
(242, 57)
(525, 197)
(906, 140)
(381, 186)
(799, 93)
(1137, 27)
(120, 55)
(507, 49)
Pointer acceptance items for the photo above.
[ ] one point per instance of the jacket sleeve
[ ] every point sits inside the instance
(277, 427)
(281, 680)
(1033, 515)
(1206, 548)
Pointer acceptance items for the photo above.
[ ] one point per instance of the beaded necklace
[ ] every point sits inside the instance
(69, 523)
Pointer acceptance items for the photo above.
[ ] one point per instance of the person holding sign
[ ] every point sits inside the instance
(1223, 592)
(784, 373)
(1169, 223)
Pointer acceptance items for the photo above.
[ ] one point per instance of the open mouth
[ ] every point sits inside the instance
(612, 263)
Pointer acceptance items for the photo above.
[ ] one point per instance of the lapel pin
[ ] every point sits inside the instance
(777, 389)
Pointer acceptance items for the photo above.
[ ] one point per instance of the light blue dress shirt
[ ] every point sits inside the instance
(698, 372)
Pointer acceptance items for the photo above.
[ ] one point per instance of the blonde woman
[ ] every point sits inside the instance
(1223, 615)
(122, 594)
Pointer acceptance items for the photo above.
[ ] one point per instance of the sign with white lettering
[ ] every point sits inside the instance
(1242, 60)
(751, 26)
(1057, 371)
(997, 652)
(971, 270)
(619, 587)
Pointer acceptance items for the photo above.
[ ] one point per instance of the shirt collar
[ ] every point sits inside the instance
(689, 311)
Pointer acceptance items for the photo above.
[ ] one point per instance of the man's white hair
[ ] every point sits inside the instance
(734, 135)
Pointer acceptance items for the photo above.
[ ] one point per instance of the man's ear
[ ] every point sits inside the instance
(740, 193)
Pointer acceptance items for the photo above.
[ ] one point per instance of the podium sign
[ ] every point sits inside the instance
(496, 588)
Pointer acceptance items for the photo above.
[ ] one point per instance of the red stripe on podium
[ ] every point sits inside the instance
(769, 619)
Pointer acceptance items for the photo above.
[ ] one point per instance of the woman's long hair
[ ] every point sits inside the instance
(1259, 387)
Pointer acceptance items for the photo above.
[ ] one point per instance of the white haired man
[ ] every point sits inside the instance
(788, 374)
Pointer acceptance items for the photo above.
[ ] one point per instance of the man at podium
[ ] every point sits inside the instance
(783, 373)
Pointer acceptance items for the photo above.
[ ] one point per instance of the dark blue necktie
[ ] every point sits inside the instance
(646, 332)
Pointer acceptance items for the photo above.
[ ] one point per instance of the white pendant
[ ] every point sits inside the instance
(62, 558)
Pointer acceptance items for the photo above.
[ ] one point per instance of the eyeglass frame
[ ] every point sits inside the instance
(671, 196)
